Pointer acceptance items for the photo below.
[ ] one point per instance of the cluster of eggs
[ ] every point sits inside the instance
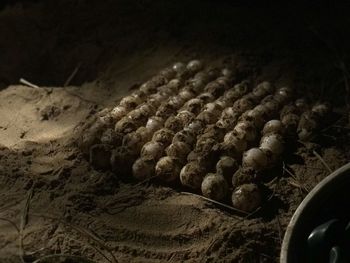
(193, 125)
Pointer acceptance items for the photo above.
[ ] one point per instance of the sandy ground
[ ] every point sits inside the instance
(53, 202)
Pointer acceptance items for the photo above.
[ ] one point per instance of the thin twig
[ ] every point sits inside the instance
(27, 83)
(71, 76)
(217, 203)
(322, 161)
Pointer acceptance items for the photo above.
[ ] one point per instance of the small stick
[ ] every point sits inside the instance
(71, 76)
(24, 221)
(27, 83)
(322, 161)
(217, 203)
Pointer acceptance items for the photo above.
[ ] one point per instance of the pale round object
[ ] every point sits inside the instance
(174, 84)
(254, 116)
(227, 72)
(174, 123)
(179, 67)
(186, 94)
(184, 136)
(145, 133)
(273, 143)
(185, 116)
(178, 150)
(167, 169)
(193, 105)
(130, 102)
(322, 109)
(125, 125)
(192, 174)
(207, 117)
(152, 150)
(154, 123)
(246, 197)
(239, 143)
(133, 141)
(194, 65)
(206, 97)
(226, 167)
(142, 169)
(118, 112)
(271, 107)
(246, 129)
(163, 135)
(273, 126)
(195, 126)
(214, 186)
(255, 158)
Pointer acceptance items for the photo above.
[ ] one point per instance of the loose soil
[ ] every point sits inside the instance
(50, 197)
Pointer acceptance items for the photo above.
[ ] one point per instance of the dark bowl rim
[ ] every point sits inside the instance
(335, 178)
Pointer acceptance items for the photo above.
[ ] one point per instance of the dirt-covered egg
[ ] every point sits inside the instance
(167, 73)
(321, 109)
(207, 117)
(178, 150)
(164, 136)
(152, 150)
(196, 126)
(142, 169)
(179, 67)
(255, 158)
(133, 141)
(184, 136)
(125, 125)
(195, 65)
(118, 112)
(130, 102)
(145, 133)
(186, 94)
(272, 107)
(247, 197)
(233, 140)
(247, 130)
(192, 175)
(206, 97)
(168, 169)
(174, 123)
(290, 122)
(111, 137)
(272, 142)
(193, 105)
(273, 126)
(154, 123)
(242, 105)
(262, 89)
(214, 186)
(227, 72)
(185, 116)
(226, 167)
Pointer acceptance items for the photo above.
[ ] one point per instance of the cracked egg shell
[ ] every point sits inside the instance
(168, 169)
(163, 135)
(142, 169)
(178, 150)
(152, 150)
(192, 175)
(214, 186)
(247, 197)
